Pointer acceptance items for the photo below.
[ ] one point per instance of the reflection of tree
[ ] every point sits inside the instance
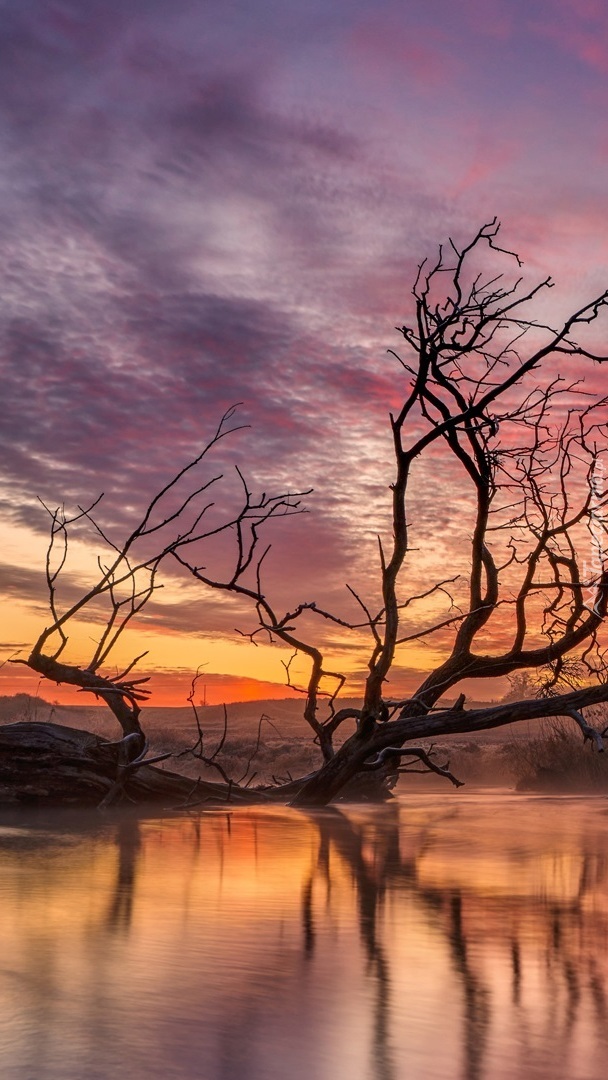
(308, 924)
(555, 935)
(598, 992)
(369, 877)
(312, 925)
(570, 937)
(128, 842)
(515, 973)
(374, 858)
(476, 995)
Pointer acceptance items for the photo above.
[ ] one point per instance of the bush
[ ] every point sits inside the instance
(557, 759)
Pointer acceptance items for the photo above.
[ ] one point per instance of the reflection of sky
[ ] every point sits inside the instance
(259, 942)
(203, 204)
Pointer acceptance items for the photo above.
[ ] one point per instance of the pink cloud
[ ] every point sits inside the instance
(382, 44)
(580, 29)
(489, 158)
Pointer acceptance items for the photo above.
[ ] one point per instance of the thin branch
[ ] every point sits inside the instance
(417, 752)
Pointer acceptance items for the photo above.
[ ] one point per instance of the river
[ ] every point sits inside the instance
(444, 936)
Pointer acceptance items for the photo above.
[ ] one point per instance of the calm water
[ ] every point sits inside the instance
(448, 936)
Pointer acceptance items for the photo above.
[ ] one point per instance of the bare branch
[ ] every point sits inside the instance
(418, 752)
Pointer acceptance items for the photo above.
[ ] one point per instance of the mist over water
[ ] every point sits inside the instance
(442, 937)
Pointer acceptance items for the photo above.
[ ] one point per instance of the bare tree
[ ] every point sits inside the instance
(184, 511)
(483, 384)
(529, 444)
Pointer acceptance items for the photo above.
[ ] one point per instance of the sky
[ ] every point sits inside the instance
(207, 203)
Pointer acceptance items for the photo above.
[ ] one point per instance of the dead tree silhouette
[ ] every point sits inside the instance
(484, 394)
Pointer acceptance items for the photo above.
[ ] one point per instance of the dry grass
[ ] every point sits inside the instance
(557, 759)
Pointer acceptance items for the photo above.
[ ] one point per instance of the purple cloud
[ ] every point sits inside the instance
(202, 205)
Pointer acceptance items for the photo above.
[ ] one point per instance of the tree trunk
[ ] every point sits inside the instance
(323, 786)
(48, 764)
(333, 777)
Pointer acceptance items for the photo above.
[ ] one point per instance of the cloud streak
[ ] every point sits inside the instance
(205, 205)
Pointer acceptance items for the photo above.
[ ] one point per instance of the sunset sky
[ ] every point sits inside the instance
(205, 203)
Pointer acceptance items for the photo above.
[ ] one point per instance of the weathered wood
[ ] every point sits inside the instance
(323, 786)
(48, 764)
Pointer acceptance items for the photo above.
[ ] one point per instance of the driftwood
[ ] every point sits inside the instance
(48, 764)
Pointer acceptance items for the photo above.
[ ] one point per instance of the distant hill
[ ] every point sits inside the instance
(243, 716)
(285, 715)
(21, 707)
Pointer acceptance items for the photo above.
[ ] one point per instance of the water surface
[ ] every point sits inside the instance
(445, 936)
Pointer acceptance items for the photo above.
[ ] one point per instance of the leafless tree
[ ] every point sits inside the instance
(482, 381)
(483, 384)
(184, 511)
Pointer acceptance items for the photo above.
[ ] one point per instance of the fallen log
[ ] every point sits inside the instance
(49, 764)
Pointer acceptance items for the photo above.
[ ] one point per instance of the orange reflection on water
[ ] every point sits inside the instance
(439, 937)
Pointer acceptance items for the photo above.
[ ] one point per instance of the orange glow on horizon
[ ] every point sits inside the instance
(171, 689)
(167, 689)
